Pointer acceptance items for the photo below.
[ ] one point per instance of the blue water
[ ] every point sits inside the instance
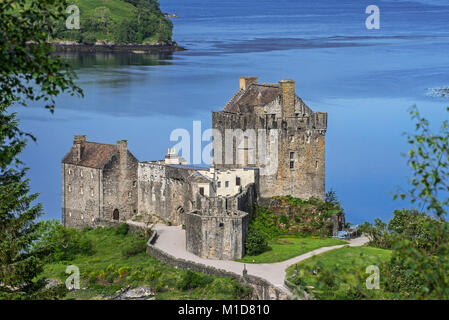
(365, 80)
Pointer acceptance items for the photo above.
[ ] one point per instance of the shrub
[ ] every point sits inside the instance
(110, 268)
(122, 229)
(256, 242)
(192, 280)
(137, 246)
(123, 271)
(58, 243)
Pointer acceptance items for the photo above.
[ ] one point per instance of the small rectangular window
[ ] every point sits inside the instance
(202, 191)
(237, 181)
(292, 155)
(292, 164)
(219, 184)
(227, 184)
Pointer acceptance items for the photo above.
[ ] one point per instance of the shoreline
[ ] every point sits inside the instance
(164, 47)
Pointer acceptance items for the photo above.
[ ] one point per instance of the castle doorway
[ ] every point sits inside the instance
(116, 215)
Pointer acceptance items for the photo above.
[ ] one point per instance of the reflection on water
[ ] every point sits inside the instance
(80, 60)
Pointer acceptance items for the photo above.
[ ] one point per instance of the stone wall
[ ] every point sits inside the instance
(165, 191)
(120, 186)
(300, 141)
(82, 195)
(93, 193)
(220, 236)
(261, 289)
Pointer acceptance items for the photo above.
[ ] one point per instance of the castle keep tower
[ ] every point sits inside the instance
(290, 141)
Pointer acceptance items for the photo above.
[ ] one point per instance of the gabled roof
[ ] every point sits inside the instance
(93, 155)
(255, 95)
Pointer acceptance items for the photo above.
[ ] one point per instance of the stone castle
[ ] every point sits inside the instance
(106, 182)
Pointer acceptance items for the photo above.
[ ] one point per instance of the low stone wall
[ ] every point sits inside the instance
(262, 289)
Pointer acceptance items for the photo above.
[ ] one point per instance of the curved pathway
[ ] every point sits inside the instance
(172, 241)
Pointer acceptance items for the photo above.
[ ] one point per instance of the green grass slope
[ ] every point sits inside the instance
(120, 260)
(345, 263)
(284, 248)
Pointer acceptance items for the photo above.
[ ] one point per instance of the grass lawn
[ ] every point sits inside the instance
(284, 248)
(108, 269)
(347, 260)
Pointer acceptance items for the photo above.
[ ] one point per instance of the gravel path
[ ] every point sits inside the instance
(172, 241)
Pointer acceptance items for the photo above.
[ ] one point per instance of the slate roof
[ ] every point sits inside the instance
(93, 155)
(244, 101)
(255, 95)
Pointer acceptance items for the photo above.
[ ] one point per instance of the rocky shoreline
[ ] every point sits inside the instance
(162, 47)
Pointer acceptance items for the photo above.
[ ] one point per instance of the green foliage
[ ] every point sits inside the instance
(122, 229)
(28, 72)
(192, 280)
(377, 234)
(288, 215)
(429, 161)
(421, 250)
(58, 243)
(256, 242)
(118, 21)
(137, 246)
(108, 270)
(18, 261)
(341, 274)
(265, 223)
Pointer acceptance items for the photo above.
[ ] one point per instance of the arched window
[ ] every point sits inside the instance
(116, 215)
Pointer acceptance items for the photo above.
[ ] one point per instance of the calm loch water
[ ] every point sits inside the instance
(365, 80)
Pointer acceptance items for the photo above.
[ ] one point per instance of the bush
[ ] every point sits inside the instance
(192, 280)
(58, 243)
(122, 229)
(256, 242)
(137, 246)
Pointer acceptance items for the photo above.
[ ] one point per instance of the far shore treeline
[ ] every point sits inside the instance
(117, 22)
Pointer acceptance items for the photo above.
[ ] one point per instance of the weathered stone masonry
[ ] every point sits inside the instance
(103, 182)
(99, 181)
(300, 156)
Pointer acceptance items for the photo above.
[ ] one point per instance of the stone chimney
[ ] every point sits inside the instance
(288, 97)
(78, 141)
(245, 82)
(122, 147)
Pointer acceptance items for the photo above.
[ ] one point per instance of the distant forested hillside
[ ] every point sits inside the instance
(118, 21)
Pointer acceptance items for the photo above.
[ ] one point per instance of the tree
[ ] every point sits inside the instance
(422, 264)
(28, 72)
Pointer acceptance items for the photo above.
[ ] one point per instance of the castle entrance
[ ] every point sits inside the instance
(116, 215)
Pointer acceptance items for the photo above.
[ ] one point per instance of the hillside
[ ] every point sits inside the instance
(119, 22)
